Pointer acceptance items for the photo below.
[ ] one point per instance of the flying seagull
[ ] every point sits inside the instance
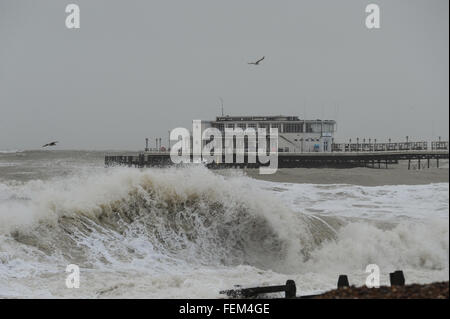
(50, 144)
(257, 62)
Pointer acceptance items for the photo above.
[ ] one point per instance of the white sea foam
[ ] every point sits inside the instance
(390, 202)
(191, 232)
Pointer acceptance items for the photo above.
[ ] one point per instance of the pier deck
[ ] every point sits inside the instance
(375, 159)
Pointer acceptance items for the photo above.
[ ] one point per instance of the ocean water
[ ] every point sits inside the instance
(191, 232)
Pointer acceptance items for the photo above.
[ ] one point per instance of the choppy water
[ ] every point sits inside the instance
(191, 232)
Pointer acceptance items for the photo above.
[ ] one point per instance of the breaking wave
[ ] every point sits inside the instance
(156, 223)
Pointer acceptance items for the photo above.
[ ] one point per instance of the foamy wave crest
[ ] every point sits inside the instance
(163, 225)
(183, 213)
(404, 246)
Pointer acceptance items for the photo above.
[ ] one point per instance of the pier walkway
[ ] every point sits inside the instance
(341, 159)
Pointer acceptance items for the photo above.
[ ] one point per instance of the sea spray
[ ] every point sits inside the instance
(205, 217)
(181, 232)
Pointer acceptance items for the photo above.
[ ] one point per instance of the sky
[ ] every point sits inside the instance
(137, 69)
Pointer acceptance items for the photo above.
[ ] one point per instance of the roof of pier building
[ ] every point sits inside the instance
(265, 118)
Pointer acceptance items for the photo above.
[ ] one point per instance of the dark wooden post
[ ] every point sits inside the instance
(291, 290)
(343, 281)
(397, 278)
(409, 164)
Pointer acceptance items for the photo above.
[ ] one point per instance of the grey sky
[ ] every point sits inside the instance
(136, 69)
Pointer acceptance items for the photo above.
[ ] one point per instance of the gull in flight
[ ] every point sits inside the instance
(50, 144)
(257, 62)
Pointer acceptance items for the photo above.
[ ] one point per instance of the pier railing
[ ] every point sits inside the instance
(438, 145)
(383, 147)
(343, 155)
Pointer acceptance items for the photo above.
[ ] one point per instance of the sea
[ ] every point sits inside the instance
(190, 232)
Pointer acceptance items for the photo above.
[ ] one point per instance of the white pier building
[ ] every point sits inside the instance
(294, 134)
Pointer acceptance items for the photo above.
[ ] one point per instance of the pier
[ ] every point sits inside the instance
(345, 155)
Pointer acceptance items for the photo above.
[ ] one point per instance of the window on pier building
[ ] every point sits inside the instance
(293, 128)
(264, 125)
(241, 125)
(317, 127)
(276, 125)
(308, 128)
(252, 125)
(219, 126)
(328, 128)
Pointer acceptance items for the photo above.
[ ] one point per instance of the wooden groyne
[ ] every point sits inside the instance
(289, 290)
(396, 278)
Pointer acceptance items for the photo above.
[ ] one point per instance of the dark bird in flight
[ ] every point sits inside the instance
(257, 62)
(50, 144)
